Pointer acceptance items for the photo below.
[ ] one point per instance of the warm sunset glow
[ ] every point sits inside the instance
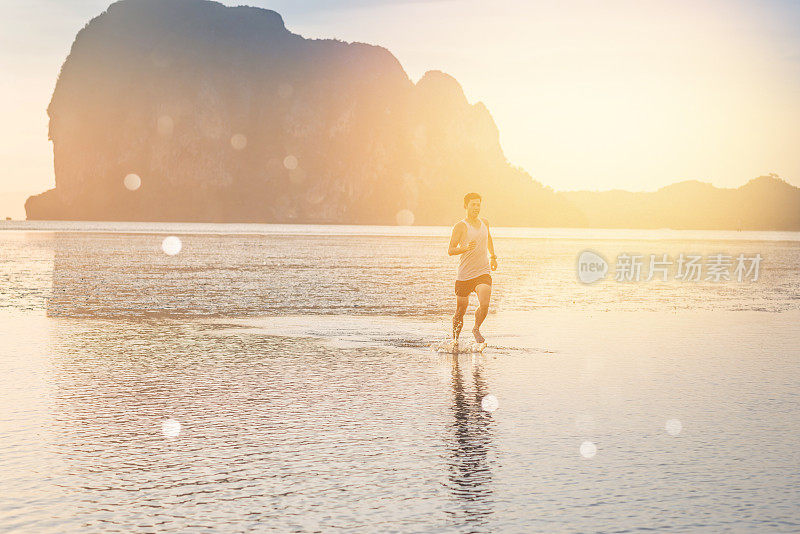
(604, 95)
(585, 95)
(450, 265)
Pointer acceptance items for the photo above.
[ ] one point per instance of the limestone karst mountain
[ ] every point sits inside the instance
(225, 115)
(221, 114)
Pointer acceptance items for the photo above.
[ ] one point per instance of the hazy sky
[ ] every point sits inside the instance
(587, 94)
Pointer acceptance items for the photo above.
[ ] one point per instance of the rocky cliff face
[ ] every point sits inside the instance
(188, 110)
(223, 115)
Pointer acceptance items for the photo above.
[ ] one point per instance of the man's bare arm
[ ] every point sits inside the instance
(453, 249)
(490, 245)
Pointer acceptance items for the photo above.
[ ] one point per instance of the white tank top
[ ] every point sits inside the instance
(475, 262)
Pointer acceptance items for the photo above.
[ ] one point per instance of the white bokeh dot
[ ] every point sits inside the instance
(239, 141)
(673, 427)
(171, 245)
(132, 182)
(405, 217)
(588, 449)
(290, 162)
(489, 403)
(170, 428)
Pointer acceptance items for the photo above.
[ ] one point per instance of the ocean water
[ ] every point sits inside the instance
(281, 378)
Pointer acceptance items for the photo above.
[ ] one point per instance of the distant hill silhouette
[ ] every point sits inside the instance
(226, 116)
(764, 203)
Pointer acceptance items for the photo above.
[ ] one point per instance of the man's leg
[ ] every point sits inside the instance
(458, 318)
(484, 292)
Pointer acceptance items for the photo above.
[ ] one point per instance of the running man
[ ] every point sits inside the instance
(471, 239)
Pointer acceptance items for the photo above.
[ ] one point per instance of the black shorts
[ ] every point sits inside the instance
(465, 287)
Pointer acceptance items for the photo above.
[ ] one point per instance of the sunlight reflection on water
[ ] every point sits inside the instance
(208, 390)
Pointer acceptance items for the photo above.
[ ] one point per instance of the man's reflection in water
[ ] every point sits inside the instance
(470, 474)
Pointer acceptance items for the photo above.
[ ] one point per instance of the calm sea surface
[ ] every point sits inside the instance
(281, 378)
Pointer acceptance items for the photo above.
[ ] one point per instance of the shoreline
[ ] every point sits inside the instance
(272, 229)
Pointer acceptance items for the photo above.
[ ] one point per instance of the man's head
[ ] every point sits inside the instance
(472, 203)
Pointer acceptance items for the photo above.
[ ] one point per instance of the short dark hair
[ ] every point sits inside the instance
(470, 196)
